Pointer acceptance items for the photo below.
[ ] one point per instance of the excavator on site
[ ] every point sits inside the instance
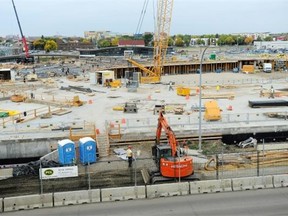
(27, 58)
(171, 163)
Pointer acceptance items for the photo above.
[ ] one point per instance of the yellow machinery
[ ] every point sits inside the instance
(76, 101)
(115, 84)
(212, 111)
(248, 69)
(161, 38)
(183, 91)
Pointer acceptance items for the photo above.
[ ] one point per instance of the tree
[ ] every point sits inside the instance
(200, 41)
(148, 39)
(170, 41)
(115, 41)
(248, 40)
(50, 45)
(268, 38)
(179, 42)
(39, 44)
(229, 40)
(104, 43)
(187, 39)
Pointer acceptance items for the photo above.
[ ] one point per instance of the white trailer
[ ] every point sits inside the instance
(267, 67)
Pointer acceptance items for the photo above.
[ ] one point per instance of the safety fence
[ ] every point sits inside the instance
(45, 200)
(191, 122)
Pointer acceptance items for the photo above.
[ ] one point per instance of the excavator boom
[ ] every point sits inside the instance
(170, 162)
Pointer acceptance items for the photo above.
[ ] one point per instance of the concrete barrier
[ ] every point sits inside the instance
(73, 197)
(211, 186)
(165, 190)
(27, 202)
(1, 205)
(280, 181)
(250, 183)
(123, 193)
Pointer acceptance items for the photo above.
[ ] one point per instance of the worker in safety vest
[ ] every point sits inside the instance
(129, 156)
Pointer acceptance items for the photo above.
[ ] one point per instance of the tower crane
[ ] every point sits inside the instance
(161, 38)
(27, 58)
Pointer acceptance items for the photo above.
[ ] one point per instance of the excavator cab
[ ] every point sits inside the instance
(161, 151)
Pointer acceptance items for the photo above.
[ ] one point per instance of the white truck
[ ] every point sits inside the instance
(267, 67)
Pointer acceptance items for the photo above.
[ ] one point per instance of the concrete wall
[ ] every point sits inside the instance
(25, 148)
(140, 192)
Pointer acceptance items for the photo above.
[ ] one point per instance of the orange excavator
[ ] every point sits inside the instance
(170, 162)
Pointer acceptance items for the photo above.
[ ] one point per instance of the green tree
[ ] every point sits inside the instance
(50, 45)
(170, 41)
(268, 38)
(229, 40)
(200, 41)
(187, 39)
(179, 42)
(148, 39)
(104, 43)
(39, 44)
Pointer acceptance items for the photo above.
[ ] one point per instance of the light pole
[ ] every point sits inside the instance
(200, 100)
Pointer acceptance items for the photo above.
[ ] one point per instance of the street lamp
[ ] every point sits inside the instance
(200, 100)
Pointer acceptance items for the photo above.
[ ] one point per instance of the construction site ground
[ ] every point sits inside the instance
(97, 108)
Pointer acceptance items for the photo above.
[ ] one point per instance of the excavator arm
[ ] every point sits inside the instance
(163, 124)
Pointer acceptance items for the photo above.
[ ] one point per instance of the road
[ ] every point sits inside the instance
(258, 202)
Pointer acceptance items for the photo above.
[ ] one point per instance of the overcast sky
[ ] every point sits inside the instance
(196, 17)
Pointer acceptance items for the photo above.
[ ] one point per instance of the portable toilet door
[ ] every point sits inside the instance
(66, 152)
(87, 150)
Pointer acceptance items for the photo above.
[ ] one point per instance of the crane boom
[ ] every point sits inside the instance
(161, 39)
(22, 35)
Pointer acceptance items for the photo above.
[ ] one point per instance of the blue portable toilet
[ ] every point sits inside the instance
(66, 152)
(87, 150)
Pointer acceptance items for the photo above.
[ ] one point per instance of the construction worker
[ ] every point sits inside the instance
(261, 91)
(129, 156)
(170, 86)
(272, 91)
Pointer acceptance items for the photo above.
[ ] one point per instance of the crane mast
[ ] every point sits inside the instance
(27, 56)
(162, 33)
(161, 39)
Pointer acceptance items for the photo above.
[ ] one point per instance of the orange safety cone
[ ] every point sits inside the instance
(197, 90)
(123, 121)
(97, 131)
(230, 108)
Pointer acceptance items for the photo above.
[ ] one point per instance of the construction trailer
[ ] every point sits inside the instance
(102, 77)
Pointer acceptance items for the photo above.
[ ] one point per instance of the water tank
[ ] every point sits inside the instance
(66, 152)
(87, 150)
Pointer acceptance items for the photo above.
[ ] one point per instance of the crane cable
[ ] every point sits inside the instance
(141, 18)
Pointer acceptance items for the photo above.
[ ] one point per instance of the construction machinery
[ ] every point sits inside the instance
(27, 58)
(161, 38)
(170, 162)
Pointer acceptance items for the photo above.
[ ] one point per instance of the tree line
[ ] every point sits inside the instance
(179, 40)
